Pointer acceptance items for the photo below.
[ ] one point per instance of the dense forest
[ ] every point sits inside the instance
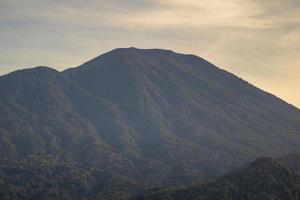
(264, 178)
(132, 120)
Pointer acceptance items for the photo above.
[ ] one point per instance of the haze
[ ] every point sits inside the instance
(257, 40)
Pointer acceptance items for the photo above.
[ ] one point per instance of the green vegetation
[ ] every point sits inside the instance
(263, 179)
(131, 120)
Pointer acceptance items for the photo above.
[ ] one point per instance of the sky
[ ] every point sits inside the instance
(258, 40)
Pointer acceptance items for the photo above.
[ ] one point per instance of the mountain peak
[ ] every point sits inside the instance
(134, 53)
(150, 52)
(264, 178)
(263, 160)
(133, 57)
(31, 73)
(29, 78)
(137, 53)
(139, 50)
(38, 70)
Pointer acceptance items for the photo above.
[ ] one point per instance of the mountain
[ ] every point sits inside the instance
(292, 160)
(130, 120)
(264, 178)
(190, 110)
(49, 148)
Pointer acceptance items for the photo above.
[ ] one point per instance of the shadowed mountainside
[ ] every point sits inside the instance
(264, 178)
(131, 120)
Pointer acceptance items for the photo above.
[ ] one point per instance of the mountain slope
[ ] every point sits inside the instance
(48, 141)
(130, 120)
(292, 160)
(189, 109)
(264, 178)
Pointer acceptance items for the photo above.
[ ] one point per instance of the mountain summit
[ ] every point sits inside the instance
(132, 119)
(169, 96)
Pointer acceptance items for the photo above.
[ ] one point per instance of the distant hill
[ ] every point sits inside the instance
(130, 120)
(292, 160)
(264, 178)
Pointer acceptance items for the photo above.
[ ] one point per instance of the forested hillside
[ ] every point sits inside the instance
(262, 179)
(131, 120)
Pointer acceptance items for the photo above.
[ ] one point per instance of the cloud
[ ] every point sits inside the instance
(257, 40)
(196, 13)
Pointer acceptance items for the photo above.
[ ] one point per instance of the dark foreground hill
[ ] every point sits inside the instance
(131, 120)
(262, 179)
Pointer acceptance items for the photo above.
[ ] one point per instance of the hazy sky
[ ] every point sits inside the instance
(259, 40)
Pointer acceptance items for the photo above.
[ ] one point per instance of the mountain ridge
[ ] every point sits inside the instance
(263, 178)
(126, 122)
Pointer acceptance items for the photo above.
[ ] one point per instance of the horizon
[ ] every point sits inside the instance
(150, 99)
(127, 48)
(257, 41)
